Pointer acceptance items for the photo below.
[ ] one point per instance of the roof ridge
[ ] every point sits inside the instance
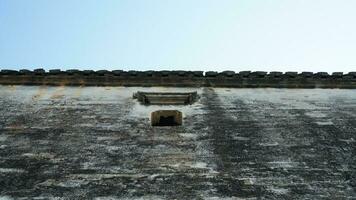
(179, 78)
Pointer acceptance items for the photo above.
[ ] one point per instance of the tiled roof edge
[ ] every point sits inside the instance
(178, 78)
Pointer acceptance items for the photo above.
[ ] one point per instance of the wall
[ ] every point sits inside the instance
(97, 143)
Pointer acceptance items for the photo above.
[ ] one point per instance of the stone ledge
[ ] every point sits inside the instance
(178, 78)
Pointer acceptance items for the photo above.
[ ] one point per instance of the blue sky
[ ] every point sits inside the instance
(282, 35)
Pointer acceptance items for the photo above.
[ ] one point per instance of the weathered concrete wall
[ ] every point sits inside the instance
(97, 143)
(244, 79)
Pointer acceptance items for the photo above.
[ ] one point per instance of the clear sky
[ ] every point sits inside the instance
(283, 35)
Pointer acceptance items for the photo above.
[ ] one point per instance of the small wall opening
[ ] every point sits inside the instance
(166, 118)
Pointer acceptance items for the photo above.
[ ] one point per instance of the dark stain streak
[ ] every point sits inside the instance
(230, 152)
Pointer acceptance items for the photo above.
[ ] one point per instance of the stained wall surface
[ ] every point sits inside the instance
(97, 143)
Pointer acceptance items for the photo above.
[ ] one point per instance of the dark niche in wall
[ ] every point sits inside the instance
(166, 118)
